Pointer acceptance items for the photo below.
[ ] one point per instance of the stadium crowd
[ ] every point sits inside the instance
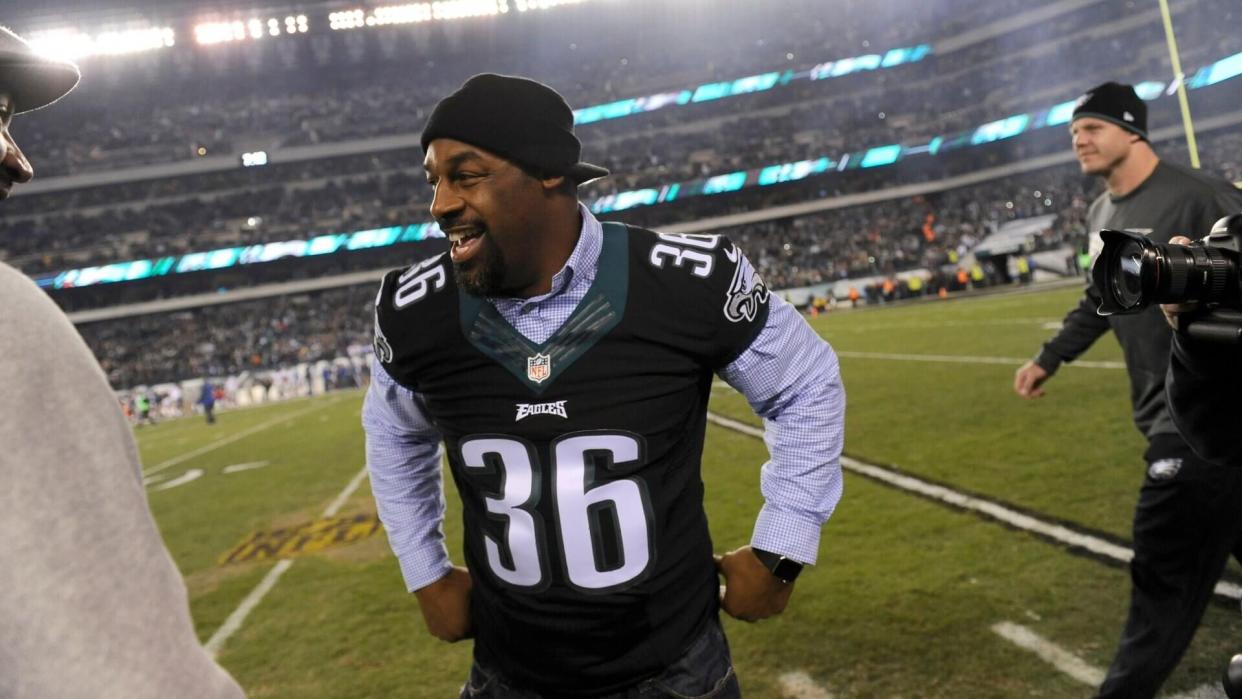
(46, 233)
(826, 246)
(227, 339)
(355, 99)
(350, 97)
(932, 232)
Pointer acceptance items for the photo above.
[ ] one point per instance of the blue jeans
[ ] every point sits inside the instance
(705, 671)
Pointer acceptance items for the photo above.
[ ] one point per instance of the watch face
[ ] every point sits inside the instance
(787, 569)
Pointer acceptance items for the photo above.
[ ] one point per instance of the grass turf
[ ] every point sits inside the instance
(906, 591)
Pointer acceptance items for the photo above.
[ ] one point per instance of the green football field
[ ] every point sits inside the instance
(911, 594)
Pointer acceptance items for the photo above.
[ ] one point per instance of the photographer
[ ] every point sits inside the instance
(1186, 520)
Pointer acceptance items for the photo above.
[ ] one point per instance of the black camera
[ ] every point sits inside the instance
(1132, 273)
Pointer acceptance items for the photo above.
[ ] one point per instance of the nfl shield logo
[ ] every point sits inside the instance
(538, 368)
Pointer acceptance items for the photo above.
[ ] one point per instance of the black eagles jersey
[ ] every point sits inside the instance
(577, 459)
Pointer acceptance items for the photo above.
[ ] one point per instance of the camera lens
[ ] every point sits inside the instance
(1132, 272)
(1128, 278)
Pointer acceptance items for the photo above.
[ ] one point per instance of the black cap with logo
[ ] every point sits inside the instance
(1116, 103)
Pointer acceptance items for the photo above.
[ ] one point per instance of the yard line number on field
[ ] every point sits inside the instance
(238, 617)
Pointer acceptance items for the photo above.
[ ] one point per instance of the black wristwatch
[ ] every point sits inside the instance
(785, 569)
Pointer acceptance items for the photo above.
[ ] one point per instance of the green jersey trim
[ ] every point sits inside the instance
(538, 365)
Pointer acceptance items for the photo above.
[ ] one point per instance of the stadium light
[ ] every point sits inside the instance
(73, 44)
(252, 29)
(460, 9)
(443, 10)
(524, 5)
(254, 158)
(413, 13)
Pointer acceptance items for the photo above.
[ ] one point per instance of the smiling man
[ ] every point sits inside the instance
(1187, 522)
(566, 365)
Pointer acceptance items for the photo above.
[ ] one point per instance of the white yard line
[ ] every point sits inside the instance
(799, 685)
(987, 508)
(1050, 653)
(235, 620)
(233, 438)
(238, 617)
(187, 477)
(965, 359)
(341, 499)
(1078, 668)
(248, 466)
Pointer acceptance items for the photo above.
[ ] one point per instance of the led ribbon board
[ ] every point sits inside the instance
(880, 156)
(749, 84)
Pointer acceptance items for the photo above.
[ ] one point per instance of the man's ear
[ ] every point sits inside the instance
(553, 183)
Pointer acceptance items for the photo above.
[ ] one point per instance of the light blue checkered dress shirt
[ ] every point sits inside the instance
(789, 375)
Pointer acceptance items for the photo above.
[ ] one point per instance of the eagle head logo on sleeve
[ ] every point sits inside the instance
(747, 292)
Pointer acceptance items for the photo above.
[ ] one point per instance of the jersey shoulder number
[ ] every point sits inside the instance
(419, 280)
(702, 257)
(404, 289)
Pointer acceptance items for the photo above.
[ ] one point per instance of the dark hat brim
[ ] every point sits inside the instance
(34, 83)
(585, 172)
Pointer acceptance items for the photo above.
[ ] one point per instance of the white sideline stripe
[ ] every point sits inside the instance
(987, 508)
(1050, 653)
(233, 438)
(962, 359)
(232, 624)
(799, 685)
(1044, 323)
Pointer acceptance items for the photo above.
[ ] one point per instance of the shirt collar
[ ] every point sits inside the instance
(582, 265)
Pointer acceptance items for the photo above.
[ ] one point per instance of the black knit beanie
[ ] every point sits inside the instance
(1116, 103)
(516, 118)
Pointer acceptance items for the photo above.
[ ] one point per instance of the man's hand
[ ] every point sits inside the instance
(750, 592)
(445, 604)
(1172, 310)
(1028, 381)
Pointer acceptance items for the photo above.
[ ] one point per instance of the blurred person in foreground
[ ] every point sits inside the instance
(1187, 522)
(566, 365)
(91, 604)
(1204, 387)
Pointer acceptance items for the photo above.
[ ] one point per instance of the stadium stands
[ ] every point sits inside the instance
(331, 111)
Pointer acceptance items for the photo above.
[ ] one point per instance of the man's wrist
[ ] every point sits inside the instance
(782, 567)
(1048, 361)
